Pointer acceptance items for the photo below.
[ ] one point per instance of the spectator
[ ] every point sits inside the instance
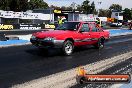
(60, 20)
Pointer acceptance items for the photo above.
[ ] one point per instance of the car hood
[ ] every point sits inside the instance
(52, 33)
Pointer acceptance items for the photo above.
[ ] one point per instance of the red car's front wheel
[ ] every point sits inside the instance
(68, 47)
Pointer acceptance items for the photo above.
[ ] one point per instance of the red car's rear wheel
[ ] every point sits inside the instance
(99, 44)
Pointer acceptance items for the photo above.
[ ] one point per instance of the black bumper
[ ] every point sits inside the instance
(47, 43)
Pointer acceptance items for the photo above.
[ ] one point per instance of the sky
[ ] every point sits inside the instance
(104, 5)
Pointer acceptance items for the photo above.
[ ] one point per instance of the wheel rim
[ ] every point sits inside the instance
(68, 48)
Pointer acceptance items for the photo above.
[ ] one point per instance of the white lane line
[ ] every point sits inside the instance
(66, 79)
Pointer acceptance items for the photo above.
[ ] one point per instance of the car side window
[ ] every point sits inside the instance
(94, 28)
(85, 28)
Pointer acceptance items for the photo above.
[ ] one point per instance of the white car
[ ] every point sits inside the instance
(116, 24)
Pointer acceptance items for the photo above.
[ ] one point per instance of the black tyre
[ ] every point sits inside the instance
(68, 47)
(100, 44)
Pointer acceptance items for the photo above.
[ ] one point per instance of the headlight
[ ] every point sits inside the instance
(33, 37)
(49, 39)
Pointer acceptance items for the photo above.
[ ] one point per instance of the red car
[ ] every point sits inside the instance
(71, 34)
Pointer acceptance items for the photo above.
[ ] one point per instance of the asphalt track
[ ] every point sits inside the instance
(24, 63)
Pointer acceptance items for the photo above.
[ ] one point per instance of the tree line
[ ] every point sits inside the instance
(86, 6)
(22, 5)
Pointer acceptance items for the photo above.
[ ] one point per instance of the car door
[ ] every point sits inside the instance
(83, 35)
(95, 32)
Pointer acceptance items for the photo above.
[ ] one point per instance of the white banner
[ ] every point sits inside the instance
(24, 15)
(84, 17)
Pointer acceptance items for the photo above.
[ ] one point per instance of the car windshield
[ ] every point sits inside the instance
(68, 26)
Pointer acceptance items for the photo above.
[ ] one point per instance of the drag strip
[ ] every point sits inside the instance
(68, 78)
(22, 64)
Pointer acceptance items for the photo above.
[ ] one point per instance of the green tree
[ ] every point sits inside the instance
(69, 8)
(86, 7)
(55, 7)
(73, 6)
(37, 4)
(115, 7)
(92, 9)
(66, 8)
(4, 4)
(95, 12)
(79, 7)
(127, 14)
(14, 5)
(23, 6)
(18, 5)
(104, 13)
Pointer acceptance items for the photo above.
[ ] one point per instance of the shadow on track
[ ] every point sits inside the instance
(57, 52)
